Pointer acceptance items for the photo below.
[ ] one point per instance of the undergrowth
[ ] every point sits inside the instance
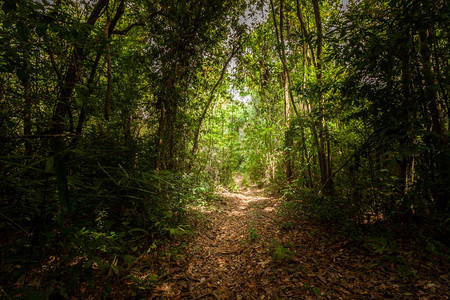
(392, 238)
(118, 210)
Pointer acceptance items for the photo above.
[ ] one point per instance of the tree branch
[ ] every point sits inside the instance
(128, 28)
(211, 97)
(137, 24)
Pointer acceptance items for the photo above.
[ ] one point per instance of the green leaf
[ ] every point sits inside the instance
(136, 229)
(82, 93)
(115, 270)
(279, 253)
(316, 291)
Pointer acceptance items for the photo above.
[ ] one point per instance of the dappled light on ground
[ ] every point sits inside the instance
(249, 248)
(245, 200)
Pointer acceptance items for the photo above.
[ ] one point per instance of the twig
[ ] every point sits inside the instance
(4, 293)
(137, 24)
(134, 262)
(202, 282)
(346, 162)
(20, 227)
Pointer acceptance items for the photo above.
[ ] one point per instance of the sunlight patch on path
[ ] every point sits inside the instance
(228, 258)
(240, 202)
(248, 249)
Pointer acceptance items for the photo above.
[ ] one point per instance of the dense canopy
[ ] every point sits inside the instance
(121, 120)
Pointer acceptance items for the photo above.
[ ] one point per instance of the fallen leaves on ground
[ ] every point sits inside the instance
(244, 252)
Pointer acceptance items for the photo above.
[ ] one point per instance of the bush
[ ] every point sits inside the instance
(119, 208)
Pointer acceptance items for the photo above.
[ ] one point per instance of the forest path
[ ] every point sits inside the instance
(228, 257)
(246, 249)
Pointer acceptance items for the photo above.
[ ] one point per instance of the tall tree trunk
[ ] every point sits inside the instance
(407, 164)
(27, 116)
(281, 48)
(431, 87)
(304, 110)
(109, 71)
(62, 108)
(90, 81)
(324, 152)
(160, 162)
(79, 54)
(285, 88)
(304, 29)
(211, 98)
(288, 141)
(441, 156)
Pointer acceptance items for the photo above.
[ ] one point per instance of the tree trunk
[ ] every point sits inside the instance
(324, 152)
(27, 116)
(210, 100)
(109, 72)
(287, 134)
(431, 87)
(285, 88)
(441, 156)
(90, 82)
(304, 30)
(62, 107)
(160, 163)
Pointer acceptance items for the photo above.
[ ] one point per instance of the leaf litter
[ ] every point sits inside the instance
(245, 249)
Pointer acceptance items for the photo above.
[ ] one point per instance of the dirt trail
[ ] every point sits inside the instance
(246, 250)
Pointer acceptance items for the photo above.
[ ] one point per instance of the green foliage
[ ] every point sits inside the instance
(279, 251)
(139, 283)
(316, 291)
(98, 154)
(244, 182)
(253, 234)
(286, 226)
(117, 213)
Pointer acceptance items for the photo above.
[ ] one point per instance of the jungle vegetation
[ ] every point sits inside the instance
(116, 116)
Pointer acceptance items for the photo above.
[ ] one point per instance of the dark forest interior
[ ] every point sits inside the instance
(224, 149)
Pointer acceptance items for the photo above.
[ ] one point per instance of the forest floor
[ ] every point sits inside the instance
(247, 248)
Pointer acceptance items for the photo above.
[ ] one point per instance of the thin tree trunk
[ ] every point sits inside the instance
(62, 108)
(324, 143)
(406, 165)
(27, 116)
(90, 82)
(109, 72)
(159, 164)
(304, 108)
(281, 48)
(211, 98)
(62, 105)
(285, 88)
(431, 88)
(437, 120)
(304, 30)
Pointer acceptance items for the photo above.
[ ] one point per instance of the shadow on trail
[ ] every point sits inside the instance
(248, 251)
